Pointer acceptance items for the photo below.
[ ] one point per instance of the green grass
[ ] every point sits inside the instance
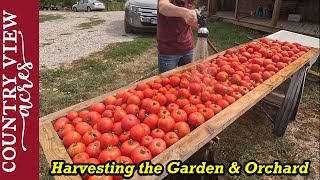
(44, 17)
(92, 23)
(114, 6)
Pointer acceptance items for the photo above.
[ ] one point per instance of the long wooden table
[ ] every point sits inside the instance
(184, 148)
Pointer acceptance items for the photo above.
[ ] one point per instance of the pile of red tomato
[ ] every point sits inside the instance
(140, 123)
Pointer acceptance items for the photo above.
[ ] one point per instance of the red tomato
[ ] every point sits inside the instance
(195, 119)
(76, 148)
(157, 133)
(195, 88)
(216, 108)
(179, 115)
(171, 98)
(181, 129)
(97, 107)
(83, 113)
(266, 75)
(90, 136)
(109, 154)
(181, 102)
(70, 138)
(215, 97)
(82, 128)
(194, 99)
(256, 77)
(146, 140)
(141, 86)
(64, 130)
(236, 95)
(72, 115)
(174, 81)
(92, 118)
(153, 107)
(93, 161)
(117, 128)
(223, 103)
(172, 106)
(107, 113)
(243, 90)
(221, 89)
(128, 147)
(132, 109)
(190, 108)
(60, 122)
(80, 158)
(94, 149)
(133, 99)
(271, 67)
(129, 121)
(108, 139)
(76, 121)
(255, 68)
(110, 100)
(207, 113)
(166, 123)
(140, 154)
(235, 79)
(163, 112)
(102, 177)
(230, 99)
(137, 132)
(123, 160)
(151, 120)
(118, 115)
(157, 146)
(104, 125)
(281, 65)
(222, 76)
(200, 106)
(124, 136)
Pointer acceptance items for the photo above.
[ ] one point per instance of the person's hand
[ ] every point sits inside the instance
(190, 16)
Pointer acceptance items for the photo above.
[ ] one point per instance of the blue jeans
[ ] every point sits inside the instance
(167, 62)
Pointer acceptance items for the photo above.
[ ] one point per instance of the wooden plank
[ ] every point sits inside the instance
(53, 148)
(236, 11)
(259, 27)
(212, 7)
(191, 143)
(276, 12)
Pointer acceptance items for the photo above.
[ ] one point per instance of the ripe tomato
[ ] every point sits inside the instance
(82, 128)
(93, 161)
(133, 99)
(107, 113)
(118, 115)
(94, 149)
(72, 115)
(266, 75)
(255, 68)
(160, 98)
(83, 113)
(170, 138)
(124, 136)
(171, 107)
(223, 103)
(129, 121)
(80, 158)
(146, 140)
(216, 108)
(60, 122)
(117, 128)
(179, 115)
(110, 100)
(171, 98)
(230, 99)
(76, 121)
(166, 123)
(157, 133)
(163, 112)
(174, 81)
(104, 125)
(112, 108)
(181, 129)
(157, 146)
(183, 92)
(137, 132)
(132, 109)
(195, 99)
(76, 148)
(235, 79)
(108, 139)
(141, 86)
(190, 108)
(123, 160)
(64, 130)
(102, 177)
(70, 138)
(222, 76)
(153, 107)
(90, 136)
(97, 107)
(221, 89)
(108, 154)
(151, 120)
(215, 97)
(200, 106)
(196, 119)
(128, 147)
(92, 118)
(256, 77)
(243, 90)
(236, 95)
(181, 102)
(195, 88)
(207, 113)
(140, 154)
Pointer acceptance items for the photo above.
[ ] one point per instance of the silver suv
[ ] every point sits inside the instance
(140, 15)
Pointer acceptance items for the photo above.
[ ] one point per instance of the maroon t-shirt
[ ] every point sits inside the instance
(174, 35)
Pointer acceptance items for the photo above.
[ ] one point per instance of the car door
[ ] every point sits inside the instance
(81, 6)
(85, 4)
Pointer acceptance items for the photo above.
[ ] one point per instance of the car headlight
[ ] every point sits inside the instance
(133, 8)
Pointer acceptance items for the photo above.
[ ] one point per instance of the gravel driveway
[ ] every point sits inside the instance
(63, 41)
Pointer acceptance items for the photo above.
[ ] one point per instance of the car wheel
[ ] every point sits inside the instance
(74, 9)
(127, 27)
(88, 9)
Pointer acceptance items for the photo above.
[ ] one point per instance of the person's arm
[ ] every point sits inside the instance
(168, 9)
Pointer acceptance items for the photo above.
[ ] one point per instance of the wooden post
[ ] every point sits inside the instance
(276, 12)
(236, 10)
(212, 7)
